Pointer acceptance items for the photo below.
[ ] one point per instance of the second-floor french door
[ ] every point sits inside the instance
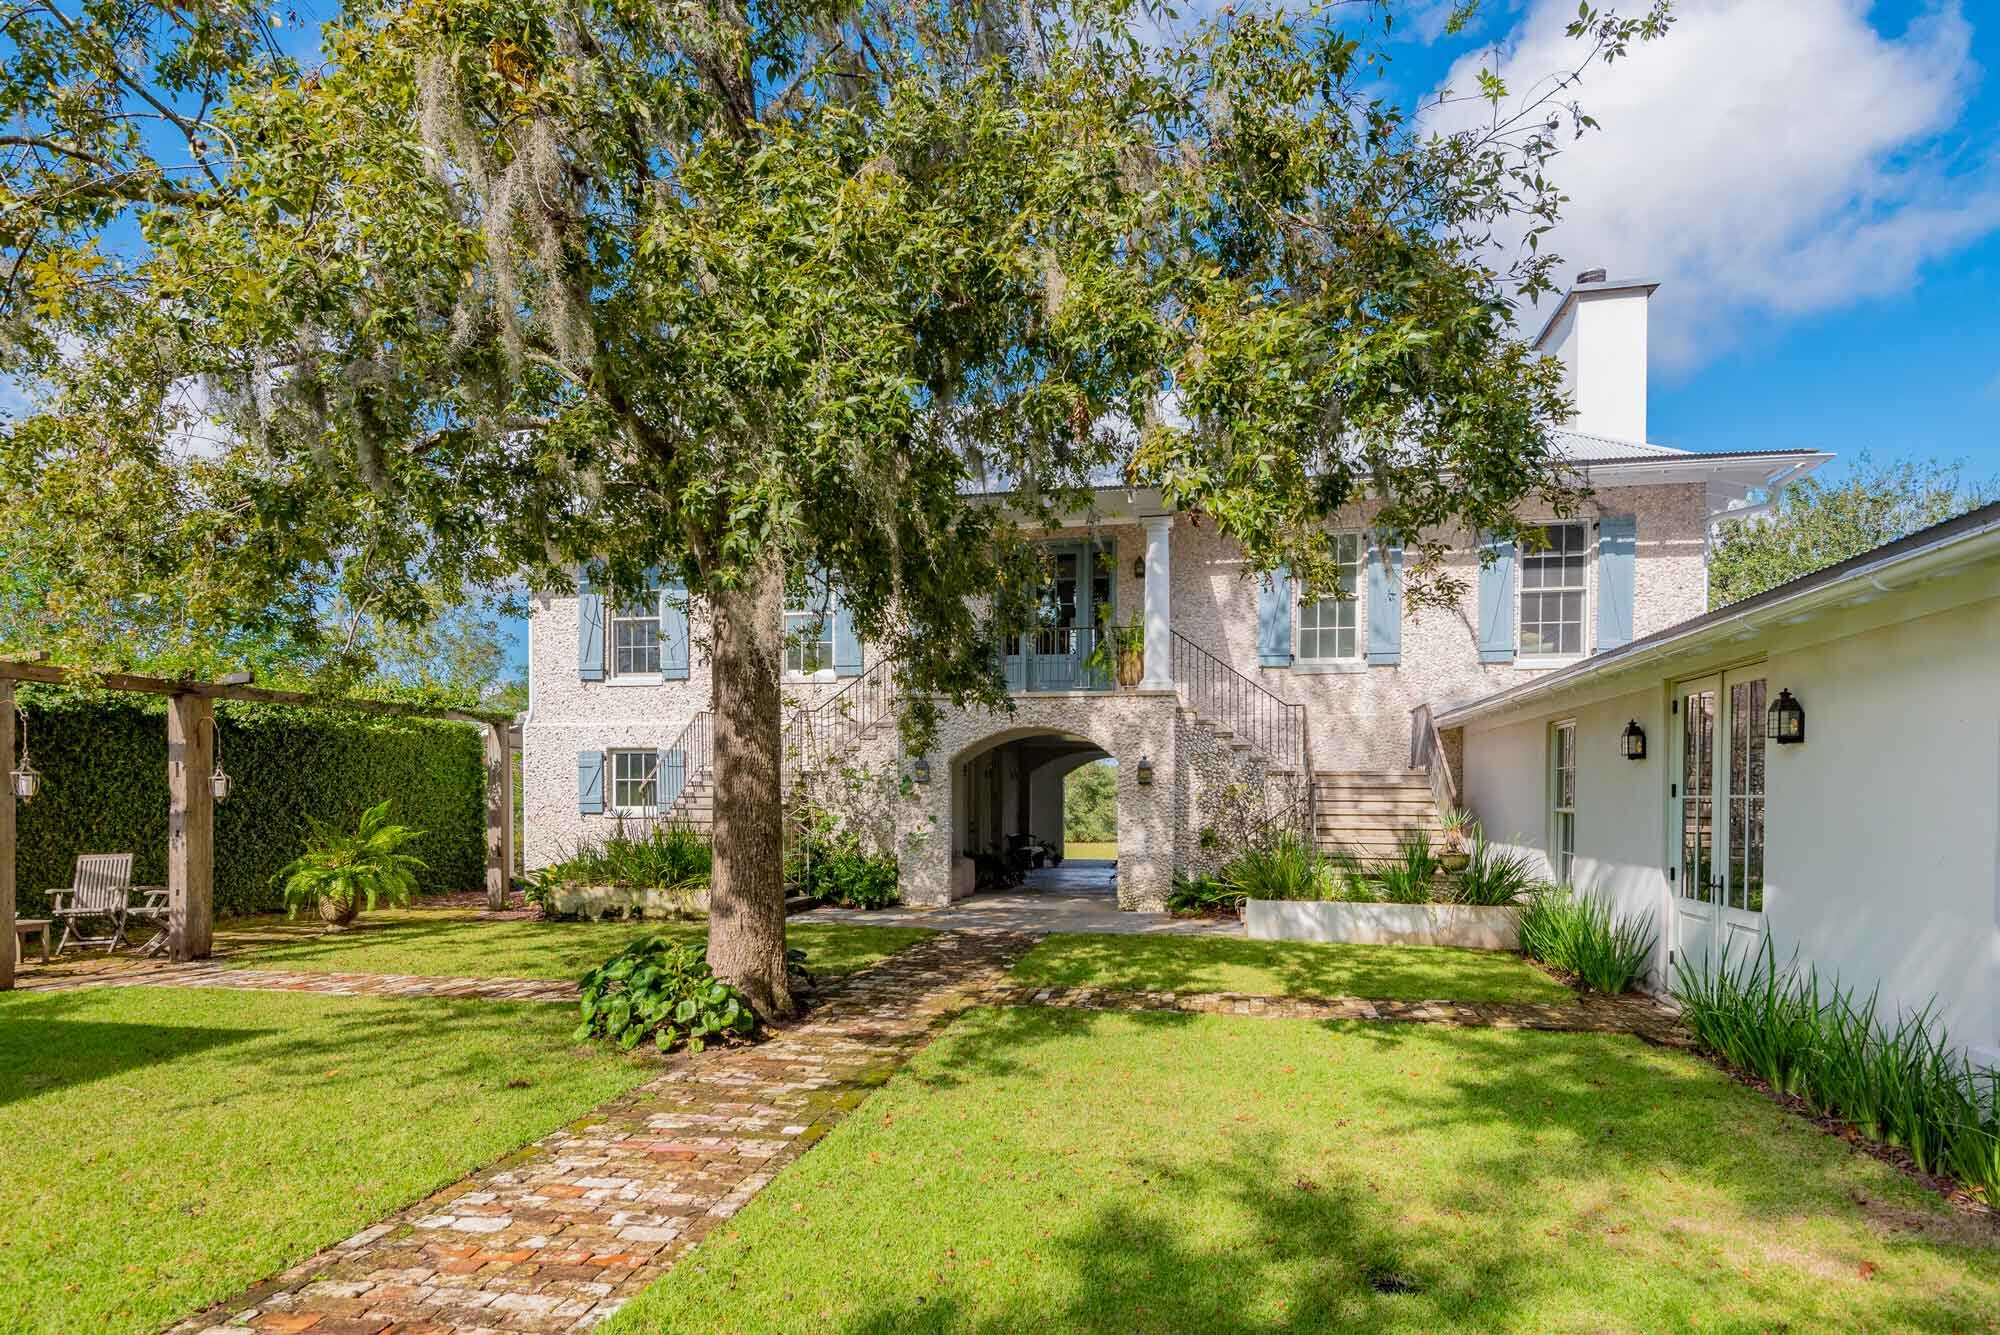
(1050, 657)
(1716, 817)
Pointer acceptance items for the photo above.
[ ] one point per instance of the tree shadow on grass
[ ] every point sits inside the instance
(41, 1053)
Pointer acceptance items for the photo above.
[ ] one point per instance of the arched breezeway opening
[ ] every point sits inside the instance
(1008, 812)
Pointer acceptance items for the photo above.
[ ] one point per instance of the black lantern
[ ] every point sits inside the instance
(219, 783)
(1145, 774)
(1633, 742)
(1138, 567)
(1788, 720)
(27, 782)
(920, 769)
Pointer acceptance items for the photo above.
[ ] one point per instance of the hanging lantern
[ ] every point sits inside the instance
(1788, 720)
(1633, 742)
(920, 770)
(219, 783)
(1145, 774)
(27, 781)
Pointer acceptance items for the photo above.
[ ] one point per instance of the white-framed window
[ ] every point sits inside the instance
(635, 639)
(1553, 583)
(808, 642)
(635, 782)
(1329, 628)
(1562, 799)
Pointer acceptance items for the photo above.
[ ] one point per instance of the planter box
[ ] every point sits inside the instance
(625, 901)
(1383, 924)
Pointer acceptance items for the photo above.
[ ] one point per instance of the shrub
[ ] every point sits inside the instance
(1578, 934)
(1288, 868)
(1411, 878)
(664, 989)
(1900, 1085)
(1202, 895)
(353, 869)
(665, 856)
(836, 871)
(1493, 878)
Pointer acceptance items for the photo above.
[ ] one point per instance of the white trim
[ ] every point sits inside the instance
(1358, 660)
(611, 754)
(1586, 629)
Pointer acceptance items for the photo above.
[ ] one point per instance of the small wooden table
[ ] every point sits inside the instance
(23, 929)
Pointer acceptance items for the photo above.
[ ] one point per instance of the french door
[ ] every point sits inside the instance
(1050, 657)
(1717, 799)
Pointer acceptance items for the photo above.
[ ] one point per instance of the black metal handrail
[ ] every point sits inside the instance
(843, 719)
(1219, 692)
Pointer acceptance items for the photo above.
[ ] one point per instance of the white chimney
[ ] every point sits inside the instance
(1599, 334)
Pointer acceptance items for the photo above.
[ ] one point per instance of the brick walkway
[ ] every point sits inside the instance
(126, 972)
(559, 1235)
(1640, 1017)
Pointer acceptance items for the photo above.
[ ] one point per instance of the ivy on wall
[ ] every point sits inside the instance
(103, 760)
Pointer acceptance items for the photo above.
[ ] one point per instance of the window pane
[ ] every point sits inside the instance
(1552, 584)
(632, 780)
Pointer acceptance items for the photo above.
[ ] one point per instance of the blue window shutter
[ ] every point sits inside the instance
(1274, 619)
(1496, 603)
(1385, 601)
(846, 644)
(672, 776)
(674, 648)
(590, 626)
(1617, 539)
(590, 783)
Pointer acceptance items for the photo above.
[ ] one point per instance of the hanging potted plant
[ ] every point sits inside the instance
(339, 873)
(1119, 651)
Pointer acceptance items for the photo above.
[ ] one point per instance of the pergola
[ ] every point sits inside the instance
(191, 803)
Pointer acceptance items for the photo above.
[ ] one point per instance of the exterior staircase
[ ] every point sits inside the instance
(1366, 812)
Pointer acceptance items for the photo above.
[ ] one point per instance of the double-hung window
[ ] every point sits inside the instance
(1329, 627)
(1552, 593)
(808, 642)
(1562, 800)
(635, 639)
(635, 780)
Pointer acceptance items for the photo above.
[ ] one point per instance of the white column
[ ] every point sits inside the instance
(1159, 644)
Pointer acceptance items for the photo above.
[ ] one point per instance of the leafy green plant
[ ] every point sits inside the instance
(349, 871)
(1901, 1084)
(1202, 896)
(666, 856)
(1578, 934)
(1494, 878)
(1458, 825)
(1412, 876)
(835, 871)
(1288, 868)
(664, 990)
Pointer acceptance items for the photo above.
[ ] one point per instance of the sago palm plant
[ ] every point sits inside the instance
(339, 872)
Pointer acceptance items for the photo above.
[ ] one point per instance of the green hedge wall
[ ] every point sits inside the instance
(104, 790)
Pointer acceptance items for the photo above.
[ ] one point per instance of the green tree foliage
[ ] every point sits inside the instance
(1817, 524)
(1090, 803)
(104, 765)
(500, 287)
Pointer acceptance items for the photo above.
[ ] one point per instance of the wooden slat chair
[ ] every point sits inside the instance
(103, 889)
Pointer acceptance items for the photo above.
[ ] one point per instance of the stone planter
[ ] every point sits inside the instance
(1383, 924)
(626, 901)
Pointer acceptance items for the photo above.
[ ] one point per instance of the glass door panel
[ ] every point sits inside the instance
(1693, 796)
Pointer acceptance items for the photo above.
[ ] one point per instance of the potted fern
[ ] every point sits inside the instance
(340, 872)
(1119, 652)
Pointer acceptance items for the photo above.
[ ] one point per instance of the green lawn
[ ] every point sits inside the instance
(456, 944)
(164, 1148)
(1076, 850)
(1052, 1170)
(1285, 968)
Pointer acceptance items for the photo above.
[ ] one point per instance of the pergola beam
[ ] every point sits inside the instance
(234, 686)
(190, 827)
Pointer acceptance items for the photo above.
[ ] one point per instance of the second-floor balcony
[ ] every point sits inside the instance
(1056, 658)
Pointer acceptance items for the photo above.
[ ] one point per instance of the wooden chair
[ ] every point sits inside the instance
(103, 889)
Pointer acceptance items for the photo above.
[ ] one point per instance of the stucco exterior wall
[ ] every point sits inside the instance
(1882, 828)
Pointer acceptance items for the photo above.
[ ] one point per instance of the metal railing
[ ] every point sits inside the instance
(1220, 693)
(689, 759)
(1427, 753)
(841, 721)
(1053, 659)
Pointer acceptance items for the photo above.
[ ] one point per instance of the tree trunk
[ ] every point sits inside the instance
(746, 909)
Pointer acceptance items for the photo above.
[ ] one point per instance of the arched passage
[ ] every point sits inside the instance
(1007, 793)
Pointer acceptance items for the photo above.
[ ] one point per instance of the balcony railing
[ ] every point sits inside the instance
(1053, 659)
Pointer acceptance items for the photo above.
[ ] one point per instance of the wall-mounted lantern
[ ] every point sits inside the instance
(1145, 772)
(1788, 720)
(1632, 745)
(27, 782)
(1138, 567)
(920, 769)
(219, 783)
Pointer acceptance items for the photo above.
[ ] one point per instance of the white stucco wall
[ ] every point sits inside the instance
(1882, 829)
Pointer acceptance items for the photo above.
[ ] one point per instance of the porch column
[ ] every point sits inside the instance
(190, 827)
(1159, 642)
(8, 941)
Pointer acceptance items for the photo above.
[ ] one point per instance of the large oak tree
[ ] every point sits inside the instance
(487, 289)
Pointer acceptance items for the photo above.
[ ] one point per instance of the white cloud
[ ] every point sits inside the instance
(1766, 159)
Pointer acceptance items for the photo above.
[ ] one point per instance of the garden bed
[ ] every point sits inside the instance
(598, 902)
(1371, 924)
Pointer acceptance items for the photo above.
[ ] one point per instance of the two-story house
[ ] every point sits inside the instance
(1253, 705)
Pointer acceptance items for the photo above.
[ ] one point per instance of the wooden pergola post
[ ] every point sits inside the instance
(9, 943)
(190, 826)
(499, 814)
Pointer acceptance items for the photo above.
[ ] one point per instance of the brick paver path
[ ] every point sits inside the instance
(1638, 1016)
(559, 1235)
(214, 973)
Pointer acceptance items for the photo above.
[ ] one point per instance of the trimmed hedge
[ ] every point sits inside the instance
(103, 760)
